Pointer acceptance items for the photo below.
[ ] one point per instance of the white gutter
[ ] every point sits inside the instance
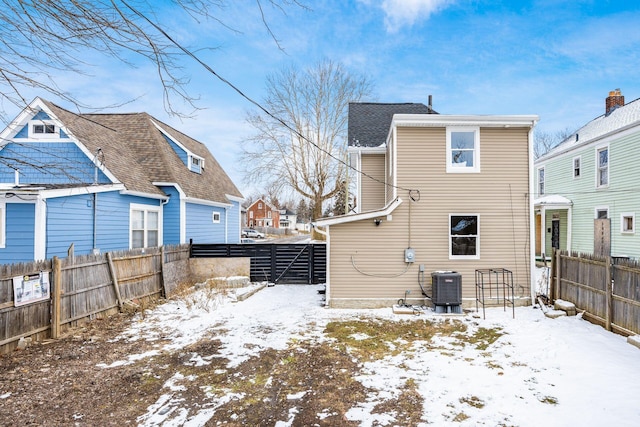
(323, 222)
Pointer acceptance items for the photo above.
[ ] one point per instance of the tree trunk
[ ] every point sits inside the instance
(317, 213)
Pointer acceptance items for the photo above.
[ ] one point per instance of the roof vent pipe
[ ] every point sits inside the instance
(430, 102)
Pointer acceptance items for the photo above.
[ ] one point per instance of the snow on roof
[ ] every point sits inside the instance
(617, 119)
(552, 199)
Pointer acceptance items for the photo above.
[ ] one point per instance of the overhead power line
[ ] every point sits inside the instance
(257, 104)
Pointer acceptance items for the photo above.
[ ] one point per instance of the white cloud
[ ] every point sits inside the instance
(406, 12)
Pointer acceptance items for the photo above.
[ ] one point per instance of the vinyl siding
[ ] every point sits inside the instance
(498, 195)
(70, 220)
(171, 217)
(200, 226)
(621, 196)
(48, 163)
(372, 191)
(19, 243)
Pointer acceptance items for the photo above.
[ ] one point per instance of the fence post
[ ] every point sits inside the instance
(609, 308)
(558, 259)
(162, 283)
(114, 279)
(55, 303)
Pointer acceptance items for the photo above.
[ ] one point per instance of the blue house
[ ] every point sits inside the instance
(104, 182)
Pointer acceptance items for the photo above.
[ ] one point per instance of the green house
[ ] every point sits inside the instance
(587, 189)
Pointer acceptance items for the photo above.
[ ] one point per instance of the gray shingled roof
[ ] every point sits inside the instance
(369, 122)
(138, 155)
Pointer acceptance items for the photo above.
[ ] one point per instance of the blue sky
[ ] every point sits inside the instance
(556, 59)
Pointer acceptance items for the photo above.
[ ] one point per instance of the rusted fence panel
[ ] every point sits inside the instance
(607, 290)
(90, 286)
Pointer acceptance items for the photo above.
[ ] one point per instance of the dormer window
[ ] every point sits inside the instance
(196, 164)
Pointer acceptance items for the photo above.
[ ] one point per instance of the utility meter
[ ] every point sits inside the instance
(409, 255)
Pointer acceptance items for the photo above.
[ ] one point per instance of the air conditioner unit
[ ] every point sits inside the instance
(446, 288)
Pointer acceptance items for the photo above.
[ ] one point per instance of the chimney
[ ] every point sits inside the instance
(613, 101)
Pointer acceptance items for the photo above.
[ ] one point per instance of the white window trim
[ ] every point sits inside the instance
(631, 215)
(573, 167)
(600, 208)
(3, 225)
(477, 255)
(145, 209)
(476, 150)
(597, 164)
(191, 164)
(214, 219)
(32, 135)
(541, 188)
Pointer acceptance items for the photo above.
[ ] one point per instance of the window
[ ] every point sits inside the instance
(603, 167)
(628, 223)
(145, 226)
(464, 236)
(463, 150)
(541, 181)
(576, 167)
(42, 129)
(269, 214)
(216, 217)
(250, 214)
(259, 205)
(602, 212)
(197, 164)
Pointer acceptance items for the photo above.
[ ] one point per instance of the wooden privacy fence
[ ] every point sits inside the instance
(85, 287)
(606, 288)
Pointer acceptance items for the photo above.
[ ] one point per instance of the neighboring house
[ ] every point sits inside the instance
(592, 175)
(288, 219)
(104, 182)
(263, 214)
(452, 190)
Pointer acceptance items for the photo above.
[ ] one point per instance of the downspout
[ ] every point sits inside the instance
(95, 200)
(532, 221)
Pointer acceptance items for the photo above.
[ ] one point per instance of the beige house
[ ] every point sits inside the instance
(436, 193)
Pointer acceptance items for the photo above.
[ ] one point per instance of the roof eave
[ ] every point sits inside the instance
(387, 210)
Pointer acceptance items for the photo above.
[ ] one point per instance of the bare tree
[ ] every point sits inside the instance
(301, 137)
(545, 141)
(41, 38)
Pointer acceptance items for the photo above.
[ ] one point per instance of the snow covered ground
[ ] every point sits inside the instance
(542, 372)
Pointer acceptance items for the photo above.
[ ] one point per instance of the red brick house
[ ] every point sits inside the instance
(263, 214)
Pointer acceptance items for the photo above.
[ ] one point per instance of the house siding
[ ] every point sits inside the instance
(70, 220)
(171, 217)
(372, 193)
(200, 227)
(621, 196)
(49, 163)
(19, 243)
(233, 222)
(498, 195)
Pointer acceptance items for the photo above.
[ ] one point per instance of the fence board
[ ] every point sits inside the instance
(86, 290)
(607, 291)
